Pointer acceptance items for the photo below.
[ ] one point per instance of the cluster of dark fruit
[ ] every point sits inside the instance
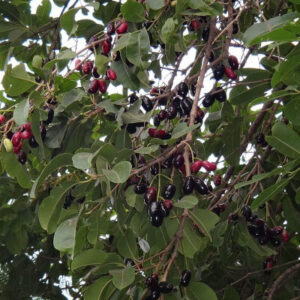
(157, 288)
(157, 210)
(106, 44)
(260, 139)
(258, 228)
(191, 183)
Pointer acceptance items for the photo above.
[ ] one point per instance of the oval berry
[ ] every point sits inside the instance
(230, 73)
(106, 46)
(93, 86)
(122, 28)
(102, 86)
(26, 135)
(2, 119)
(208, 166)
(111, 74)
(233, 62)
(78, 65)
(16, 138)
(195, 166)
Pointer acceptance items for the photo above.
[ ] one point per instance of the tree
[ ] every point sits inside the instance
(162, 190)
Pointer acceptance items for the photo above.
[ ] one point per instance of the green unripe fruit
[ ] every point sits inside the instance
(8, 145)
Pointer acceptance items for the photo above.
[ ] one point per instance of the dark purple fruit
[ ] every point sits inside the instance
(247, 213)
(150, 195)
(131, 128)
(133, 98)
(205, 34)
(154, 295)
(252, 230)
(188, 185)
(43, 132)
(92, 40)
(275, 242)
(186, 105)
(185, 278)
(216, 210)
(182, 89)
(259, 223)
(169, 191)
(208, 100)
(235, 28)
(200, 186)
(95, 73)
(178, 160)
(162, 115)
(263, 239)
(219, 71)
(110, 28)
(154, 169)
(38, 79)
(157, 218)
(49, 116)
(152, 282)
(165, 287)
(154, 207)
(156, 121)
(140, 188)
(176, 102)
(260, 139)
(220, 94)
(33, 143)
(211, 57)
(147, 103)
(22, 157)
(171, 112)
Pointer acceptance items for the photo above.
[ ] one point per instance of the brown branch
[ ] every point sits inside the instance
(285, 276)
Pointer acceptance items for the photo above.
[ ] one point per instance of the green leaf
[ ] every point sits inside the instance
(58, 161)
(155, 4)
(291, 214)
(285, 140)
(133, 11)
(21, 112)
(206, 220)
(259, 32)
(89, 258)
(97, 290)
(245, 96)
(197, 290)
(232, 138)
(119, 173)
(37, 61)
(123, 42)
(138, 48)
(182, 129)
(126, 245)
(292, 111)
(15, 169)
(101, 62)
(82, 160)
(147, 150)
(269, 193)
(50, 208)
(67, 20)
(16, 81)
(64, 237)
(43, 10)
(187, 202)
(122, 277)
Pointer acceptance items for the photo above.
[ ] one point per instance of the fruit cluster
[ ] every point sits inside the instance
(259, 229)
(87, 67)
(163, 287)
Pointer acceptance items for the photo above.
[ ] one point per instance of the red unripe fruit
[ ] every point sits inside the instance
(208, 166)
(111, 74)
(195, 25)
(285, 236)
(78, 64)
(168, 204)
(217, 180)
(27, 126)
(200, 113)
(106, 46)
(16, 138)
(87, 67)
(152, 132)
(161, 133)
(93, 86)
(229, 73)
(2, 119)
(182, 169)
(151, 190)
(233, 62)
(122, 28)
(269, 265)
(17, 148)
(26, 135)
(102, 86)
(196, 165)
(154, 92)
(222, 206)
